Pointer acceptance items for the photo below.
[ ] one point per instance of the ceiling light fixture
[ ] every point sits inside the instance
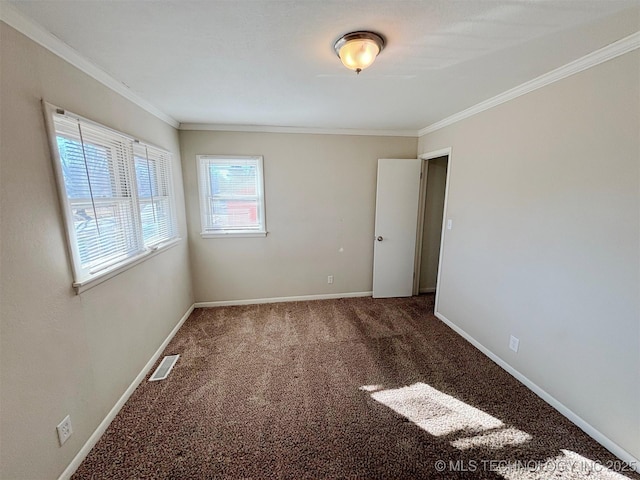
(358, 50)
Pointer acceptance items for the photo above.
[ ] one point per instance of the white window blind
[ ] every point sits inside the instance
(153, 168)
(231, 195)
(115, 192)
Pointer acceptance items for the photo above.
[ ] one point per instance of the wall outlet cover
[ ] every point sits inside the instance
(514, 343)
(64, 430)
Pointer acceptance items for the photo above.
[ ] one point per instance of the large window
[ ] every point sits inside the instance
(231, 196)
(116, 194)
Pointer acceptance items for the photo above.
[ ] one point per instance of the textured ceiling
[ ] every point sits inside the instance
(271, 62)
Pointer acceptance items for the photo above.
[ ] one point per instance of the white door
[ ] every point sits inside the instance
(395, 230)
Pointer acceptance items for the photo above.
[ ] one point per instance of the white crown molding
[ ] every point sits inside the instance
(11, 16)
(14, 18)
(308, 130)
(609, 52)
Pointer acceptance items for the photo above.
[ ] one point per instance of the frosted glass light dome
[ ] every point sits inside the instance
(358, 50)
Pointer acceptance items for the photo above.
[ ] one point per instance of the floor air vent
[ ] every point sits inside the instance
(164, 368)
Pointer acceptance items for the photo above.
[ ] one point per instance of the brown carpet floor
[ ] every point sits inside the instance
(348, 388)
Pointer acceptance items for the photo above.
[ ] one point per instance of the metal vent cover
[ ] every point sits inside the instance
(164, 368)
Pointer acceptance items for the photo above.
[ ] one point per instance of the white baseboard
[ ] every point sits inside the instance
(598, 436)
(95, 436)
(255, 301)
(427, 290)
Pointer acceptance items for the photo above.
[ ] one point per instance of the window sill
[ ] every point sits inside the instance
(232, 234)
(122, 266)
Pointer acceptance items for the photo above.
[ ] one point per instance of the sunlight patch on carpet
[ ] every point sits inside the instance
(567, 466)
(434, 411)
(440, 414)
(497, 439)
(371, 388)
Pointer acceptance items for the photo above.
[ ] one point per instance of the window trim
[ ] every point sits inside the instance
(238, 233)
(105, 272)
(113, 270)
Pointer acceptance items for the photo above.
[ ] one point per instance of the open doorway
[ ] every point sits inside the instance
(433, 194)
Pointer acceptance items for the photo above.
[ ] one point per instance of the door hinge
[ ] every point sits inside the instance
(420, 175)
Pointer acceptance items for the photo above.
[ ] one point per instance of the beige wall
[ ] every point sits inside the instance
(545, 201)
(63, 353)
(320, 197)
(555, 262)
(431, 232)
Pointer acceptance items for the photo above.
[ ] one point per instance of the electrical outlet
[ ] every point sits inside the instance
(330, 279)
(64, 430)
(514, 343)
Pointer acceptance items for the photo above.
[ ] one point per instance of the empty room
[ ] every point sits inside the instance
(320, 239)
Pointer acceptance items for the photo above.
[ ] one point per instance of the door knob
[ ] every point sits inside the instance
(379, 238)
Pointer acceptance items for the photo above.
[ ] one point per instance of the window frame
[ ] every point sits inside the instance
(85, 277)
(206, 230)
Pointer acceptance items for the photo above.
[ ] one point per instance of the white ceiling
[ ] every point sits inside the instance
(271, 62)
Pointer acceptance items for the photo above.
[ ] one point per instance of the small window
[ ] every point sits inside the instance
(231, 196)
(115, 192)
